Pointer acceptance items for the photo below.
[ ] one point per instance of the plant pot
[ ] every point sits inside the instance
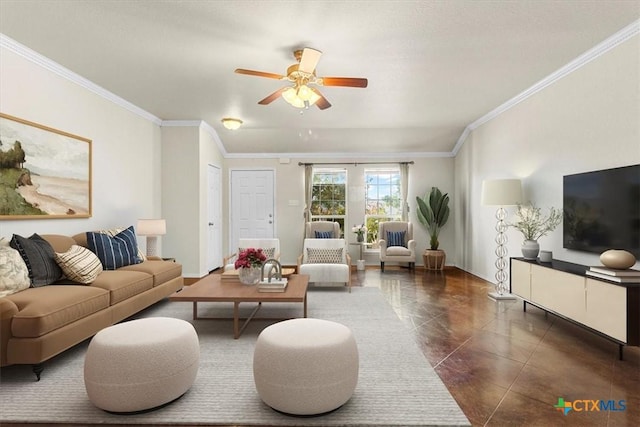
(249, 276)
(434, 259)
(530, 249)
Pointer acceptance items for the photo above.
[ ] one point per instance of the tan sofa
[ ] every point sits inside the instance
(39, 323)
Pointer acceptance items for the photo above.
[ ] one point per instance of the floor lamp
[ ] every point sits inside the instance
(152, 228)
(501, 193)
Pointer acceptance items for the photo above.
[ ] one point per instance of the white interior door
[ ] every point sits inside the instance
(214, 220)
(251, 205)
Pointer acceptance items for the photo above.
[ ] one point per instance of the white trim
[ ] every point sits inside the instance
(63, 72)
(357, 156)
(601, 48)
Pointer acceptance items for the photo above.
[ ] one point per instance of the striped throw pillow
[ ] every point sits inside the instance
(324, 234)
(396, 238)
(79, 264)
(114, 252)
(324, 256)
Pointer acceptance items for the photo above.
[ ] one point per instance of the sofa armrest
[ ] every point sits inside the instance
(7, 310)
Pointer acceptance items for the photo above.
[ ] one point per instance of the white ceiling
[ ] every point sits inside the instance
(434, 67)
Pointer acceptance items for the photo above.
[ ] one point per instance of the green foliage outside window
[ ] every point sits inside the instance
(383, 201)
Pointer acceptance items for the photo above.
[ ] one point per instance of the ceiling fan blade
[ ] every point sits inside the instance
(259, 74)
(275, 95)
(344, 81)
(309, 60)
(322, 103)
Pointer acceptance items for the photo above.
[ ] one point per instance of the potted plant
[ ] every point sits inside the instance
(433, 213)
(249, 265)
(533, 225)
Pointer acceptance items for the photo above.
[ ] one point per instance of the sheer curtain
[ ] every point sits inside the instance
(308, 186)
(404, 189)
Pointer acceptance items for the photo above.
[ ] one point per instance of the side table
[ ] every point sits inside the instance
(360, 262)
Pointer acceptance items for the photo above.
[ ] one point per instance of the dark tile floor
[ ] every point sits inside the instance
(504, 366)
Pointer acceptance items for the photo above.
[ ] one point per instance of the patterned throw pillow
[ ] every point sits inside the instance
(113, 231)
(79, 264)
(324, 256)
(39, 257)
(14, 274)
(268, 252)
(114, 252)
(395, 238)
(324, 234)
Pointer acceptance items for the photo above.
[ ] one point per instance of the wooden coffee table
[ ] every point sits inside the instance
(212, 289)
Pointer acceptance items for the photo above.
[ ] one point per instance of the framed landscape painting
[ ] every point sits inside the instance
(44, 172)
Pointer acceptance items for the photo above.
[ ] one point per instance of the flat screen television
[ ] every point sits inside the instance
(602, 210)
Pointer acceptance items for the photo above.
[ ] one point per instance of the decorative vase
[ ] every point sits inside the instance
(360, 237)
(249, 276)
(530, 249)
(617, 259)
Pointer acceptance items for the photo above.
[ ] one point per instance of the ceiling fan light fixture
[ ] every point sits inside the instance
(300, 97)
(231, 123)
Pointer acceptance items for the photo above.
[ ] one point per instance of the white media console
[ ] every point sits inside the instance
(609, 309)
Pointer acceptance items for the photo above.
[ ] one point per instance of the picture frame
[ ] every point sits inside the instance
(45, 173)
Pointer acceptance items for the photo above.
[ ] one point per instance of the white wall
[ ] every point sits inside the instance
(126, 146)
(589, 120)
(187, 149)
(425, 173)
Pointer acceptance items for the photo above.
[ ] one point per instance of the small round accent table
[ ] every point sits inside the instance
(141, 364)
(305, 366)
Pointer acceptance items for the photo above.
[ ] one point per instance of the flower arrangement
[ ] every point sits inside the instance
(533, 224)
(359, 230)
(250, 257)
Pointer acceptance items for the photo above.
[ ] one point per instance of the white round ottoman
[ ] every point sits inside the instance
(305, 366)
(141, 364)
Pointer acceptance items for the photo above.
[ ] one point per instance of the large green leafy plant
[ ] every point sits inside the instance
(433, 213)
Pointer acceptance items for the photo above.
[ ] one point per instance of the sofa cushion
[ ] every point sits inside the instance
(162, 271)
(79, 264)
(324, 256)
(14, 274)
(123, 284)
(114, 251)
(38, 254)
(45, 309)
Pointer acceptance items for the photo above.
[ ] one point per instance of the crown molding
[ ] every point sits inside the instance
(357, 156)
(46, 63)
(601, 48)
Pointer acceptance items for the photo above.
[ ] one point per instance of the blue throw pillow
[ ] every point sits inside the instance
(396, 238)
(114, 252)
(324, 234)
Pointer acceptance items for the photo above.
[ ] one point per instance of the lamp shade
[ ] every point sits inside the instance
(151, 227)
(501, 192)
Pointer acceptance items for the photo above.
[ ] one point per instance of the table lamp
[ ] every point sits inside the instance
(152, 228)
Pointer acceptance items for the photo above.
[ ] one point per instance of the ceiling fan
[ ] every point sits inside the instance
(302, 74)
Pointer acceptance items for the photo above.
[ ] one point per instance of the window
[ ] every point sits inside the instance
(383, 201)
(329, 196)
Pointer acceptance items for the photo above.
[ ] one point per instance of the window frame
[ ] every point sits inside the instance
(394, 216)
(340, 218)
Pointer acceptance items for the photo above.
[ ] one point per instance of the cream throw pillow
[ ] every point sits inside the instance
(324, 256)
(79, 264)
(14, 274)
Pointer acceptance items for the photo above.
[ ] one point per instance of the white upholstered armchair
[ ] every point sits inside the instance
(322, 227)
(396, 243)
(270, 247)
(326, 261)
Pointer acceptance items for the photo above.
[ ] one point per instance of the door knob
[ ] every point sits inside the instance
(210, 223)
(270, 222)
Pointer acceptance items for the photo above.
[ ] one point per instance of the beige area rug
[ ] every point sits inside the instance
(396, 385)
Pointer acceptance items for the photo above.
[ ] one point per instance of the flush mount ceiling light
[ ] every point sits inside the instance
(230, 123)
